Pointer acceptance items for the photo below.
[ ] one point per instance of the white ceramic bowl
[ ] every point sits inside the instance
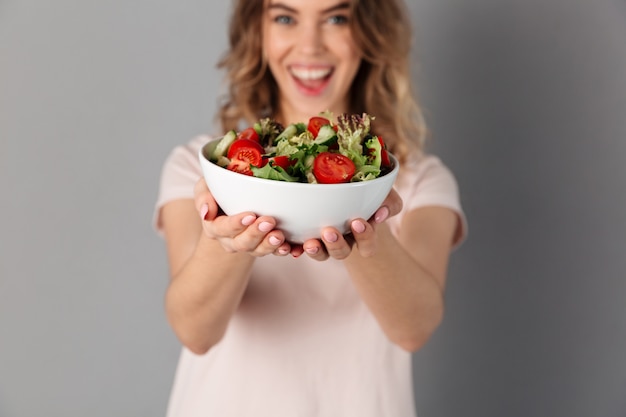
(300, 209)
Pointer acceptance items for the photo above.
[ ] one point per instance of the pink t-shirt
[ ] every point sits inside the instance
(302, 343)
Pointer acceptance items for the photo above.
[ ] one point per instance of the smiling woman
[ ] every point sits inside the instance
(312, 56)
(324, 327)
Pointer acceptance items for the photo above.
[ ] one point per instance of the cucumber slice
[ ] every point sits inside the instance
(222, 147)
(326, 135)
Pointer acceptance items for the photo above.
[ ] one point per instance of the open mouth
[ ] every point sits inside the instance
(311, 80)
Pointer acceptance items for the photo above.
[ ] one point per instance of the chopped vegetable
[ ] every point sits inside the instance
(244, 154)
(316, 123)
(316, 152)
(250, 134)
(268, 129)
(224, 144)
(333, 168)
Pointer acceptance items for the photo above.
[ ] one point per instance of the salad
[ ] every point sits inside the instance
(320, 151)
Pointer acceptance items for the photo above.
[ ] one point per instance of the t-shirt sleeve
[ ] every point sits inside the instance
(181, 171)
(428, 182)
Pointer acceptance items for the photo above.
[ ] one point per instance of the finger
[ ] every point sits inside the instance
(272, 243)
(274, 240)
(230, 226)
(296, 250)
(391, 206)
(204, 202)
(314, 248)
(364, 237)
(283, 250)
(394, 202)
(336, 246)
(256, 237)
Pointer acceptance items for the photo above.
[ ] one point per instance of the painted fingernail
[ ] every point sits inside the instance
(330, 236)
(248, 220)
(204, 210)
(265, 226)
(312, 251)
(275, 241)
(358, 226)
(381, 214)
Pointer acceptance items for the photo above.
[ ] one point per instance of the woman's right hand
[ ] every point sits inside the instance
(244, 232)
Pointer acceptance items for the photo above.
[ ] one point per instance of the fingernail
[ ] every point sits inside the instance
(204, 210)
(330, 236)
(275, 241)
(358, 227)
(283, 251)
(312, 251)
(248, 220)
(266, 226)
(381, 214)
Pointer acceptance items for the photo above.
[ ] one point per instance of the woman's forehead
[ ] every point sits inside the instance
(321, 5)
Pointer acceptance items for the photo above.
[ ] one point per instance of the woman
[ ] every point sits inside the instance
(325, 328)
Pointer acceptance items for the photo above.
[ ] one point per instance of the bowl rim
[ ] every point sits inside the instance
(390, 174)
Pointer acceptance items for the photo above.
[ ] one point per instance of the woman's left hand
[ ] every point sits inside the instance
(335, 245)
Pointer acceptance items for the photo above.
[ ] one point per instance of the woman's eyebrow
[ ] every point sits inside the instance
(340, 6)
(282, 6)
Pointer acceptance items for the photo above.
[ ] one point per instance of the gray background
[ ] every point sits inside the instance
(527, 103)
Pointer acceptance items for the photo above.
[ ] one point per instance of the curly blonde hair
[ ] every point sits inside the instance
(382, 86)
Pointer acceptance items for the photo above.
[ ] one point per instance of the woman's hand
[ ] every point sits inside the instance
(243, 232)
(335, 245)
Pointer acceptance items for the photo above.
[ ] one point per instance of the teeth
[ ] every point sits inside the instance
(310, 74)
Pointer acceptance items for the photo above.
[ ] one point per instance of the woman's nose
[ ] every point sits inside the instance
(310, 39)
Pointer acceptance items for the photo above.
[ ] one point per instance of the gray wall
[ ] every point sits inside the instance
(527, 103)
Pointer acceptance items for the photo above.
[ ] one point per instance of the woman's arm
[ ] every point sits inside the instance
(401, 279)
(210, 261)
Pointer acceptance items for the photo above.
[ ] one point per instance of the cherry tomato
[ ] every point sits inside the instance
(315, 123)
(249, 134)
(280, 161)
(384, 155)
(333, 168)
(241, 167)
(247, 151)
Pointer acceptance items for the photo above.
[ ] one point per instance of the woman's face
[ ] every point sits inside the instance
(311, 53)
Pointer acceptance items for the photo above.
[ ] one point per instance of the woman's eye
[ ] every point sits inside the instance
(338, 20)
(283, 20)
